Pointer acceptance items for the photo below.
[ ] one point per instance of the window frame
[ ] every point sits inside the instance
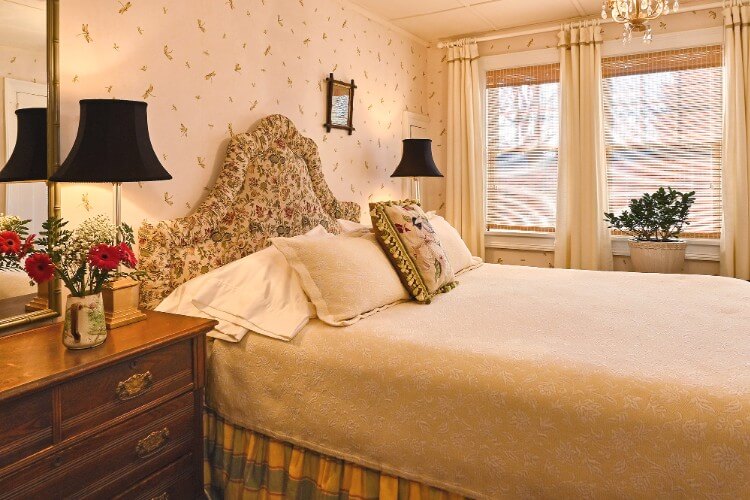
(487, 64)
(698, 248)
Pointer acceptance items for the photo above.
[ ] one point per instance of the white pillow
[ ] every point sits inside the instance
(458, 253)
(180, 301)
(347, 277)
(348, 226)
(260, 292)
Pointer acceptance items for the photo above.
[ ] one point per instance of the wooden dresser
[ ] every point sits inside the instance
(122, 420)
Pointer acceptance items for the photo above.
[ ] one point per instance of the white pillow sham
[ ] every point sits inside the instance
(348, 226)
(347, 277)
(458, 253)
(259, 293)
(180, 301)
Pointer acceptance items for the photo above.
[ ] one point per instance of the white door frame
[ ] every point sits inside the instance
(12, 89)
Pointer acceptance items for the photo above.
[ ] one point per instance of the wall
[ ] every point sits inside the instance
(23, 64)
(210, 69)
(437, 98)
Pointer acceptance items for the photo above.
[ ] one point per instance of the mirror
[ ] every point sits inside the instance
(25, 146)
(339, 104)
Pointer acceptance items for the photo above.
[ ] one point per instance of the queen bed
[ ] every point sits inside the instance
(521, 382)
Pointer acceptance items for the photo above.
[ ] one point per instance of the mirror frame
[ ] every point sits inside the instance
(53, 162)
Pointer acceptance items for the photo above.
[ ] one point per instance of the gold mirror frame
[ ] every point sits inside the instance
(53, 162)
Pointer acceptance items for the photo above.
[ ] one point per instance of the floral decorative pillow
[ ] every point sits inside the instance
(412, 245)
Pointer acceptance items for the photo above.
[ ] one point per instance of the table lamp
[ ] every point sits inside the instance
(417, 162)
(113, 145)
(28, 163)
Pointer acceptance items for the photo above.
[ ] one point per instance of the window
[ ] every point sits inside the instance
(663, 127)
(523, 121)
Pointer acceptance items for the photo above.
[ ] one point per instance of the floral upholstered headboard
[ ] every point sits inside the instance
(271, 185)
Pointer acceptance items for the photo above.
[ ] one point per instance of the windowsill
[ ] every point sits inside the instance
(697, 249)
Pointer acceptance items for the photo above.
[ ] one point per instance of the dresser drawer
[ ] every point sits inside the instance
(113, 460)
(176, 481)
(25, 426)
(105, 394)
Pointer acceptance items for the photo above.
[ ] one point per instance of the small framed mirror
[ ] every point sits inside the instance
(339, 104)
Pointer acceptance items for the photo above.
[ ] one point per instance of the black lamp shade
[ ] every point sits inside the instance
(28, 162)
(417, 160)
(113, 145)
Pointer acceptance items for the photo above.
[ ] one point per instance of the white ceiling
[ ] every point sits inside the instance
(23, 24)
(432, 20)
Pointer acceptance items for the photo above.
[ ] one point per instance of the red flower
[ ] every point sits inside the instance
(39, 267)
(104, 256)
(28, 245)
(126, 255)
(10, 242)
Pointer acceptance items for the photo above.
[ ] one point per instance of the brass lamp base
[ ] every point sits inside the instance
(121, 303)
(41, 301)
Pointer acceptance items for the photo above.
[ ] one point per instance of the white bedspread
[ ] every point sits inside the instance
(520, 382)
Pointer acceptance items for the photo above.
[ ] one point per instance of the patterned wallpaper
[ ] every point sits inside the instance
(22, 64)
(212, 69)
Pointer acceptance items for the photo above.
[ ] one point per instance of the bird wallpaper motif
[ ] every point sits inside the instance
(209, 70)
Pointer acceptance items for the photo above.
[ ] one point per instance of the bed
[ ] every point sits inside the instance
(521, 382)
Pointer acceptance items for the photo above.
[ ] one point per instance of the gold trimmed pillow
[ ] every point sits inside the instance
(414, 248)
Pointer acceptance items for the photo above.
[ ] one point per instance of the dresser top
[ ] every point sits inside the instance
(32, 359)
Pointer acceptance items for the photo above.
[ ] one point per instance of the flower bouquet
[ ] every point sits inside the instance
(15, 242)
(84, 259)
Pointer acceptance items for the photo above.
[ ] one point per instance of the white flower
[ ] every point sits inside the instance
(93, 231)
(9, 222)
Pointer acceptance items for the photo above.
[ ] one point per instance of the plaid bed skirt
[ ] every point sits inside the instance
(242, 464)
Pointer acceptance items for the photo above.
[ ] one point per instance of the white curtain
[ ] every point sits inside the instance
(464, 204)
(735, 241)
(582, 239)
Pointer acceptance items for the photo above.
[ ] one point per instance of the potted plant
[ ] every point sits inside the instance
(655, 221)
(84, 259)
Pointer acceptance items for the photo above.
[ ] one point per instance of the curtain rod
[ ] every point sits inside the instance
(556, 26)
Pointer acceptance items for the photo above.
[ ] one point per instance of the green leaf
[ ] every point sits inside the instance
(658, 216)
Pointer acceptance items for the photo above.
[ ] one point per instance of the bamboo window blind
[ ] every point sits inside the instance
(522, 137)
(663, 127)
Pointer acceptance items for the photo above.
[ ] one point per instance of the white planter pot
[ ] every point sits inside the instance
(665, 257)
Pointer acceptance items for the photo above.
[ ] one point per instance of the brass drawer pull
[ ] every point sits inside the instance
(152, 443)
(163, 496)
(134, 386)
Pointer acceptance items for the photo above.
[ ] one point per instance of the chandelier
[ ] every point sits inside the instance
(637, 15)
